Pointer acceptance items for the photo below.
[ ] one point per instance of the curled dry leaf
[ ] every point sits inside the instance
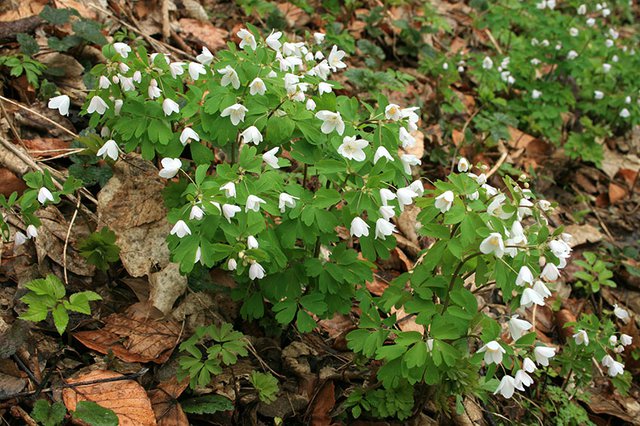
(9, 183)
(165, 405)
(324, 402)
(133, 337)
(126, 398)
(215, 38)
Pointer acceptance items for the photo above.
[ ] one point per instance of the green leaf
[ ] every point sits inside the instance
(28, 44)
(209, 404)
(60, 318)
(90, 31)
(94, 414)
(48, 415)
(57, 16)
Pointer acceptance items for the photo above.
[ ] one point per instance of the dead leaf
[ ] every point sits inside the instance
(406, 322)
(215, 38)
(518, 139)
(84, 7)
(624, 408)
(614, 161)
(126, 398)
(564, 316)
(616, 193)
(24, 10)
(134, 337)
(457, 137)
(583, 234)
(165, 404)
(418, 148)
(324, 402)
(294, 16)
(11, 379)
(46, 147)
(9, 183)
(629, 176)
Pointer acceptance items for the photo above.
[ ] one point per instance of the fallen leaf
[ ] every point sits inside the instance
(614, 161)
(457, 137)
(126, 398)
(583, 234)
(9, 183)
(629, 176)
(324, 403)
(46, 147)
(11, 379)
(214, 37)
(164, 400)
(134, 337)
(624, 408)
(616, 193)
(24, 10)
(294, 16)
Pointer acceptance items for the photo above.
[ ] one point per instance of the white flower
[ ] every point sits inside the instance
(535, 94)
(32, 231)
(232, 265)
(196, 213)
(97, 104)
(531, 297)
(386, 196)
(493, 244)
(154, 91)
(273, 41)
(229, 211)
(384, 228)
(613, 340)
(540, 288)
(127, 84)
(607, 360)
(606, 68)
(617, 311)
(359, 227)
(196, 69)
(517, 327)
(324, 88)
(560, 249)
(180, 229)
(444, 201)
(581, 338)
(572, 55)
(380, 153)
(229, 77)
(625, 339)
(270, 158)
(246, 39)
(117, 106)
(406, 138)
(318, 38)
(235, 112)
(251, 135)
(522, 379)
(573, 32)
(463, 165)
(330, 121)
(616, 368)
(187, 135)
(256, 271)
(409, 160)
(252, 243)
(624, 113)
(507, 386)
(176, 69)
(528, 365)
(169, 106)
(492, 352)
(335, 59)
(543, 353)
(525, 276)
(109, 149)
(393, 112)
(387, 212)
(405, 196)
(352, 148)
(170, 167)
(230, 189)
(550, 272)
(496, 207)
(103, 83)
(122, 48)
(198, 255)
(19, 239)
(487, 63)
(205, 57)
(285, 200)
(137, 77)
(310, 105)
(44, 195)
(582, 9)
(257, 86)
(417, 187)
(253, 203)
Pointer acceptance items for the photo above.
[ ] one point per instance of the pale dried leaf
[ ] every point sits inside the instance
(215, 38)
(166, 286)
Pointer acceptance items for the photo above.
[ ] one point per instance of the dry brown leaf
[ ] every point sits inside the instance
(614, 161)
(9, 182)
(134, 336)
(629, 176)
(616, 193)
(519, 139)
(564, 316)
(46, 147)
(418, 148)
(84, 7)
(624, 408)
(126, 398)
(165, 405)
(583, 234)
(24, 10)
(406, 322)
(324, 403)
(457, 137)
(294, 16)
(215, 38)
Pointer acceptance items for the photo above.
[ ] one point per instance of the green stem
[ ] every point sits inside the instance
(453, 280)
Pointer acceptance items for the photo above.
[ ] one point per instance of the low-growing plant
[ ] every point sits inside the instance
(88, 412)
(265, 385)
(100, 248)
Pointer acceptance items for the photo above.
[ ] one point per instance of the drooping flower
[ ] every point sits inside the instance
(381, 152)
(493, 352)
(154, 91)
(44, 195)
(229, 77)
(198, 256)
(330, 121)
(187, 135)
(257, 87)
(235, 112)
(251, 135)
(530, 297)
(507, 386)
(522, 379)
(127, 84)
(246, 39)
(169, 106)
(581, 338)
(615, 368)
(232, 265)
(386, 196)
(518, 327)
(196, 213)
(359, 227)
(335, 59)
(230, 189)
(310, 105)
(528, 365)
(324, 88)
(252, 243)
(525, 276)
(170, 167)
(487, 63)
(97, 104)
(496, 207)
(543, 354)
(550, 272)
(405, 196)
(229, 211)
(463, 165)
(417, 187)
(273, 40)
(624, 113)
(444, 201)
(621, 313)
(256, 271)
(103, 82)
(406, 138)
(393, 112)
(253, 203)
(122, 48)
(536, 94)
(625, 339)
(384, 228)
(176, 69)
(352, 148)
(270, 158)
(318, 38)
(117, 106)
(109, 149)
(196, 70)
(19, 239)
(409, 160)
(180, 229)
(387, 212)
(493, 244)
(205, 57)
(541, 289)
(285, 200)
